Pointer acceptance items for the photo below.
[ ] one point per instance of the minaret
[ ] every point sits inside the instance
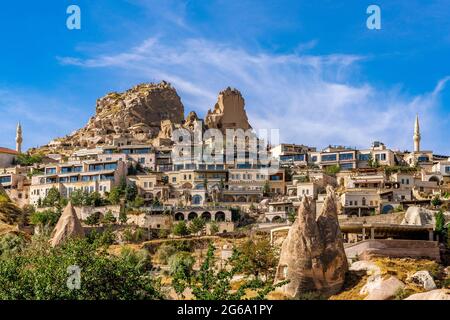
(19, 138)
(416, 136)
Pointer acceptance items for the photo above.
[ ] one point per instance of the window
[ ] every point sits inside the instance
(364, 156)
(111, 166)
(329, 157)
(423, 159)
(447, 169)
(141, 160)
(6, 179)
(345, 156)
(346, 166)
(314, 158)
(50, 170)
(174, 179)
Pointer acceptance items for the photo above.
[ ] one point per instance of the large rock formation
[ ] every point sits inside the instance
(418, 216)
(312, 256)
(68, 226)
(228, 112)
(136, 114)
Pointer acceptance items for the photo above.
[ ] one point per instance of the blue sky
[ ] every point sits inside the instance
(310, 68)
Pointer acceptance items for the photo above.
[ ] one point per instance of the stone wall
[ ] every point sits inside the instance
(416, 249)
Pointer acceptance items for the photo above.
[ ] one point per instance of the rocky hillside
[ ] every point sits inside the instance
(136, 113)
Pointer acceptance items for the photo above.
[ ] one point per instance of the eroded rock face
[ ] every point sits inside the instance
(136, 114)
(312, 256)
(68, 226)
(228, 112)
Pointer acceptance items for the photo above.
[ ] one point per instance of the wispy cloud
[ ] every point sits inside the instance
(43, 117)
(312, 99)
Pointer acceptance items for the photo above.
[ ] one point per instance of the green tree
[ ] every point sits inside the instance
(115, 195)
(131, 192)
(214, 227)
(266, 188)
(214, 283)
(439, 222)
(180, 229)
(40, 272)
(123, 216)
(77, 197)
(332, 170)
(26, 159)
(108, 218)
(11, 244)
(138, 202)
(180, 266)
(436, 201)
(258, 258)
(53, 198)
(93, 219)
(45, 219)
(197, 224)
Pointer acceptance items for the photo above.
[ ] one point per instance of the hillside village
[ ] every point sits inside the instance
(338, 222)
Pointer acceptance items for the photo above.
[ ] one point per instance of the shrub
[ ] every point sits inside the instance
(93, 219)
(180, 229)
(197, 224)
(40, 272)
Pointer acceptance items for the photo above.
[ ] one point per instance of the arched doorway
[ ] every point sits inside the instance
(192, 215)
(387, 209)
(179, 216)
(220, 216)
(434, 179)
(197, 199)
(276, 219)
(242, 199)
(206, 216)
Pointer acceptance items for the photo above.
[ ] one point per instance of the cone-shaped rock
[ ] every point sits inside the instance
(333, 258)
(312, 256)
(68, 226)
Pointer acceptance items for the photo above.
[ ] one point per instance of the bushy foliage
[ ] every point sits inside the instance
(84, 198)
(46, 218)
(258, 258)
(214, 282)
(93, 219)
(25, 159)
(180, 229)
(196, 225)
(40, 272)
(332, 170)
(108, 218)
(54, 199)
(11, 244)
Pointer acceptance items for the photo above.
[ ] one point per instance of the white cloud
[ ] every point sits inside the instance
(312, 99)
(43, 117)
